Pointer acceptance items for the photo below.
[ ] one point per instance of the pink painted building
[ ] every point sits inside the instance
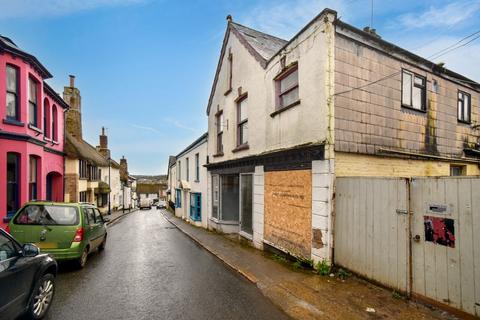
(31, 132)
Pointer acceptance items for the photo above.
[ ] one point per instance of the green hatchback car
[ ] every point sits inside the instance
(67, 231)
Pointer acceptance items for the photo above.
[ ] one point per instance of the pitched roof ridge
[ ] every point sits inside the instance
(256, 30)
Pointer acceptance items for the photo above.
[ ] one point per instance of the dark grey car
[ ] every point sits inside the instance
(27, 279)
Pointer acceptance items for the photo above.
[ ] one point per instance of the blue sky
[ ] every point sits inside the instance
(145, 67)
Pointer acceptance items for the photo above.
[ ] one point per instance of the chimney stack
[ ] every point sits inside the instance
(103, 147)
(73, 119)
(72, 81)
(123, 170)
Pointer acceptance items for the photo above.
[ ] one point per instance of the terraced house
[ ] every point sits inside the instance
(31, 132)
(287, 118)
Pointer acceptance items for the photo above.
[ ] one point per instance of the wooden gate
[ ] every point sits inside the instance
(439, 261)
(446, 241)
(371, 229)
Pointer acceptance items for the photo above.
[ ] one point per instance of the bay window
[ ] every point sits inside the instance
(32, 102)
(13, 112)
(13, 183)
(33, 178)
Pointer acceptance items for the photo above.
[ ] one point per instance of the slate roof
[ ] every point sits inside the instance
(202, 139)
(171, 161)
(79, 148)
(7, 45)
(264, 44)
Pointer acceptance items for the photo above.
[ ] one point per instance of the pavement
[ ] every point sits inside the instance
(115, 215)
(151, 270)
(303, 294)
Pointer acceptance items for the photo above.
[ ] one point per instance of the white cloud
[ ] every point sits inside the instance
(462, 60)
(179, 125)
(285, 19)
(146, 128)
(447, 16)
(41, 8)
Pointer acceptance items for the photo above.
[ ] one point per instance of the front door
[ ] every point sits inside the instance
(246, 203)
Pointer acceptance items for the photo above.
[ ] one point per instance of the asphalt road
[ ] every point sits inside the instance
(150, 270)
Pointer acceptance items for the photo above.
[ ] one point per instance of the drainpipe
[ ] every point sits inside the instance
(64, 156)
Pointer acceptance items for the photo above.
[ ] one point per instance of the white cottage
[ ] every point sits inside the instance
(190, 191)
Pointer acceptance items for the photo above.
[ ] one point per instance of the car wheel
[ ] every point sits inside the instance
(42, 297)
(82, 261)
(103, 244)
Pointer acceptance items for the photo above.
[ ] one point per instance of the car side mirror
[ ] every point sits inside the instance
(30, 250)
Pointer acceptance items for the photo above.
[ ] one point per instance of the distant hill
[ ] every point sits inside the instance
(150, 179)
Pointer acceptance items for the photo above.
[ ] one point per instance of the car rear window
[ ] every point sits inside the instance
(47, 215)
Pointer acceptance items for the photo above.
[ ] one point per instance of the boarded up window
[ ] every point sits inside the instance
(288, 210)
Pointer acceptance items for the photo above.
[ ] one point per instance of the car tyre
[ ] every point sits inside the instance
(102, 245)
(82, 261)
(42, 297)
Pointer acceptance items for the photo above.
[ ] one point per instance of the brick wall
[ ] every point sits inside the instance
(372, 117)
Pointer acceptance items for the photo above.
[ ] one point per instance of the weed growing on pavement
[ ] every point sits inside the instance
(343, 274)
(297, 264)
(398, 295)
(323, 268)
(279, 258)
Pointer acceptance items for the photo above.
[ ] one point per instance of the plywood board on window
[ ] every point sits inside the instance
(288, 210)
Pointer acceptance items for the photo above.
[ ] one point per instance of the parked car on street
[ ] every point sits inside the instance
(145, 203)
(161, 204)
(67, 231)
(27, 279)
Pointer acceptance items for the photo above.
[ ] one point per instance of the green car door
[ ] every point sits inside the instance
(95, 227)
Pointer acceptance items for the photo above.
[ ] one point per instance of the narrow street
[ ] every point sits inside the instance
(150, 270)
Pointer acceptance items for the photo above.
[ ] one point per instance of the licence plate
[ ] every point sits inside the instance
(46, 245)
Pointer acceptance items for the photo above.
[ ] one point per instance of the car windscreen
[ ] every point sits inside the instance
(40, 214)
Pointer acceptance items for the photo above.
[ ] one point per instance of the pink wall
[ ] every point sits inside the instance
(49, 160)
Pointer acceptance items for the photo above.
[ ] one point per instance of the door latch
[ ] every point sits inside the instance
(402, 211)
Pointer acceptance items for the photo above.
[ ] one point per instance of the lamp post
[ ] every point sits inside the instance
(123, 198)
(109, 188)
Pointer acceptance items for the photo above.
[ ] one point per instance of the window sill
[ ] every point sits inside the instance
(13, 122)
(464, 122)
(55, 142)
(227, 92)
(32, 127)
(47, 139)
(282, 109)
(220, 154)
(241, 147)
(413, 109)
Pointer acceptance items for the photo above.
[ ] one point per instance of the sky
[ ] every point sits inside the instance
(145, 67)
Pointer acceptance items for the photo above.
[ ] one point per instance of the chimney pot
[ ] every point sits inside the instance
(72, 81)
